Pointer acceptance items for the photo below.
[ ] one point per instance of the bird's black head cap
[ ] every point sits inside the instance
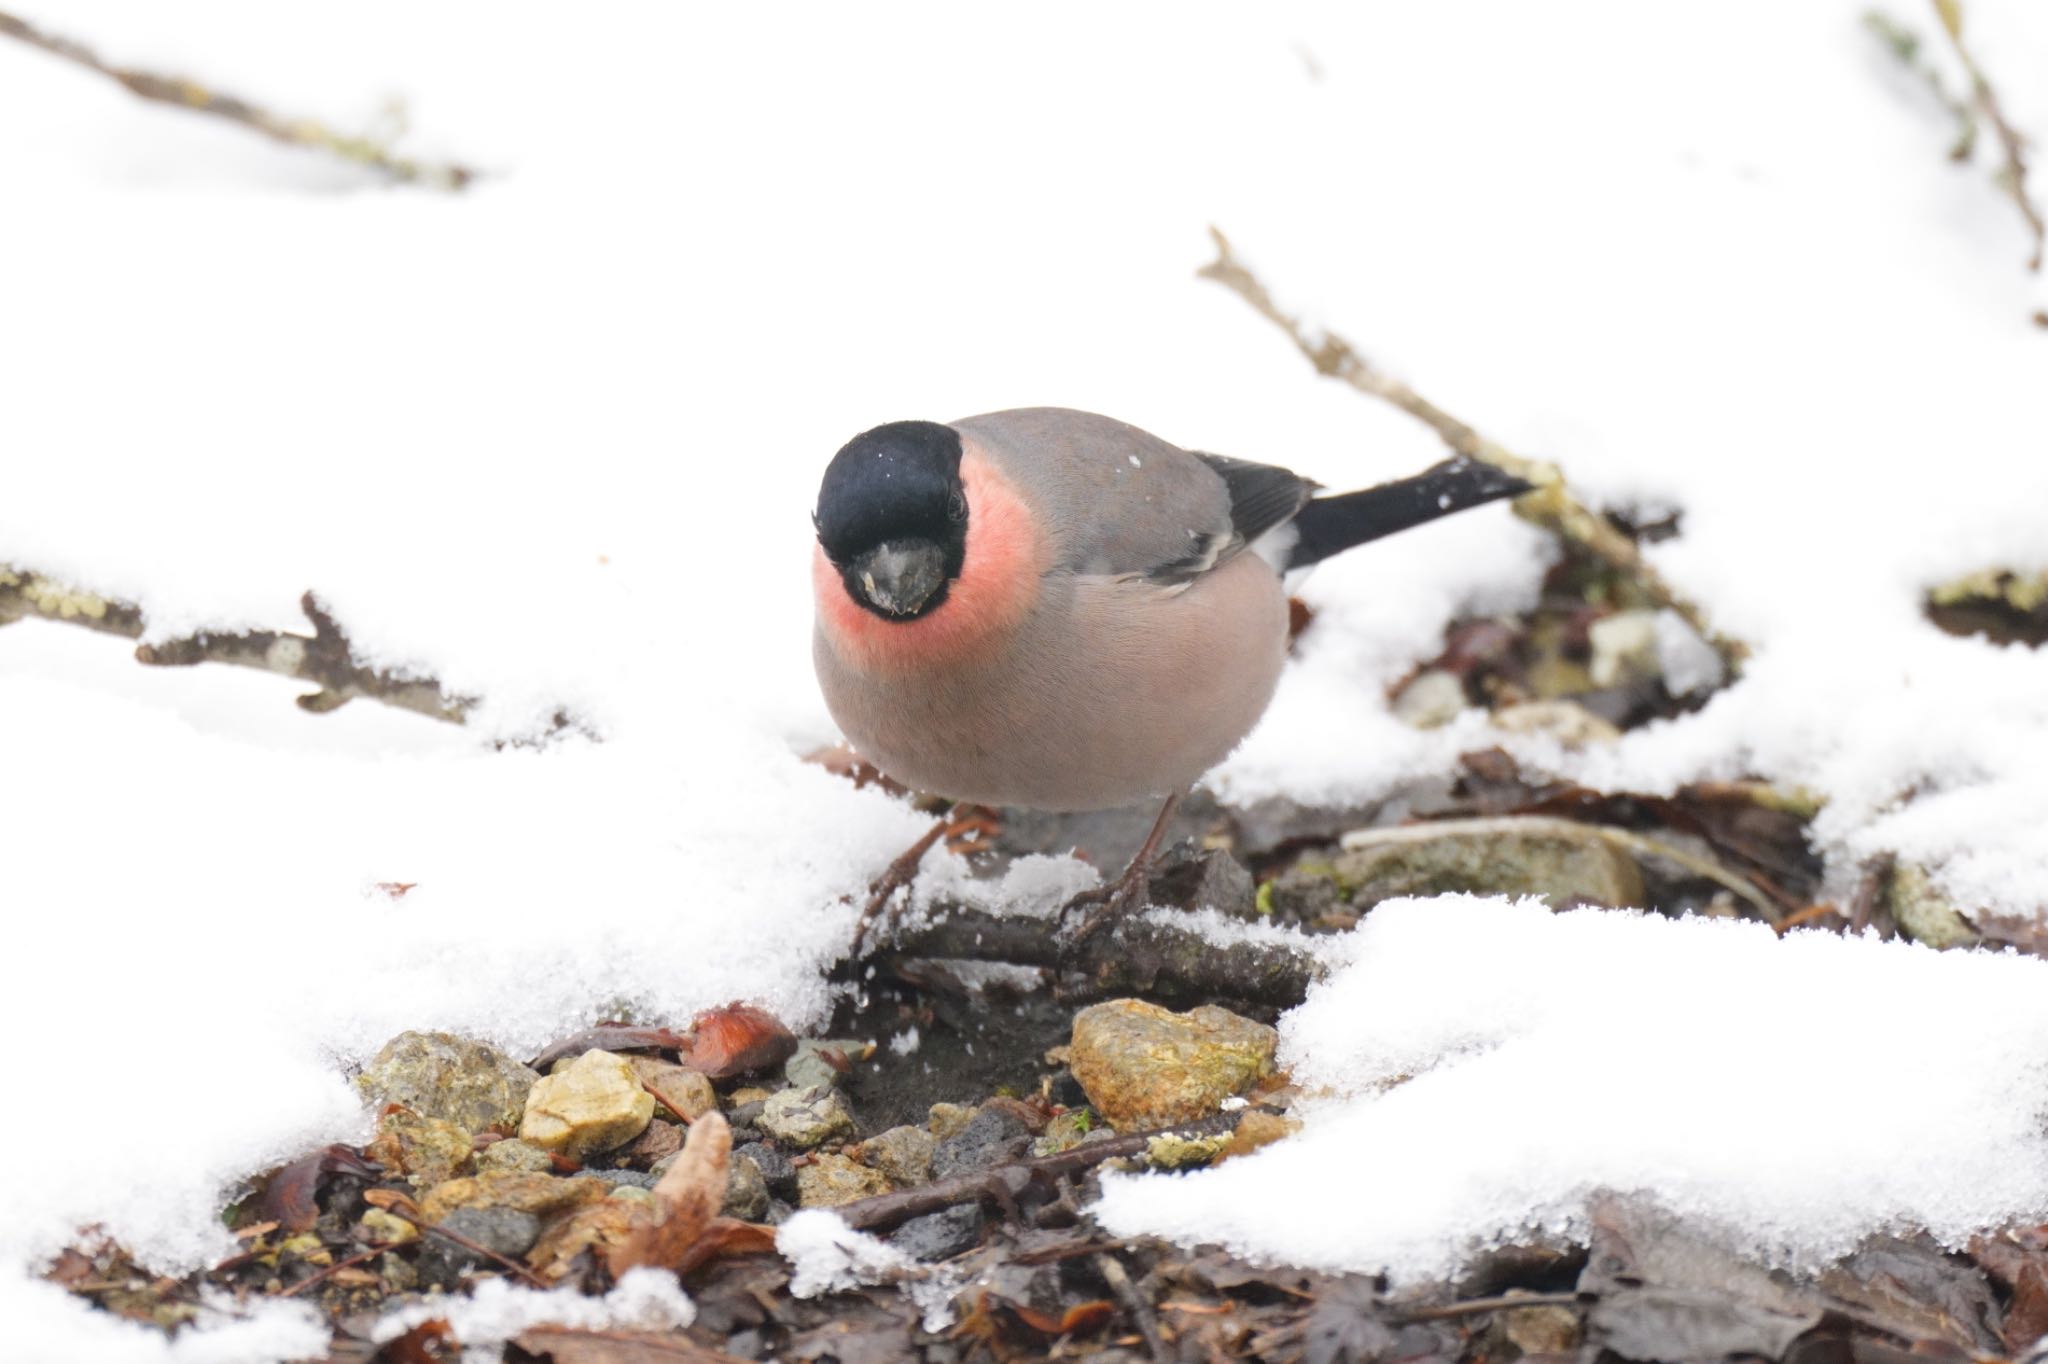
(892, 517)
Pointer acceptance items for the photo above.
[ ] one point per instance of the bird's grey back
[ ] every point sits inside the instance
(1119, 500)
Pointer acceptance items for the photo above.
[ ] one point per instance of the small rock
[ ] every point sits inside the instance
(540, 1195)
(832, 1179)
(1066, 1132)
(1923, 913)
(902, 1154)
(660, 1139)
(1624, 648)
(990, 1138)
(624, 1179)
(439, 1075)
(1172, 1151)
(1571, 724)
(692, 1089)
(514, 1154)
(591, 1105)
(943, 1120)
(1559, 860)
(389, 1228)
(1432, 700)
(807, 1117)
(939, 1235)
(776, 1168)
(1208, 879)
(631, 1193)
(1303, 893)
(1255, 1129)
(1144, 1066)
(1542, 1330)
(810, 1065)
(444, 1262)
(428, 1151)
(746, 1192)
(749, 1094)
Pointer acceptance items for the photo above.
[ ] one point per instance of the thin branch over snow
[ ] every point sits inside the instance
(1550, 506)
(2012, 177)
(325, 658)
(296, 132)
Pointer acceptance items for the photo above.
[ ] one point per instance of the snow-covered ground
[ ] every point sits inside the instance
(554, 440)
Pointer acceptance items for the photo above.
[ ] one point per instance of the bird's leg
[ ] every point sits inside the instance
(1127, 893)
(903, 870)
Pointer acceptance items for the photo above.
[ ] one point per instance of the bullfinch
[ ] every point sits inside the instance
(1053, 609)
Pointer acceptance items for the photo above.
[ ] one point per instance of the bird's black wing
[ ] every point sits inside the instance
(1328, 525)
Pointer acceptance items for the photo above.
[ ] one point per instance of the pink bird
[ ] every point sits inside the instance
(1052, 609)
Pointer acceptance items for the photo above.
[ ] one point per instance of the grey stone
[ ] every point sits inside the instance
(504, 1230)
(439, 1075)
(808, 1066)
(1559, 860)
(776, 1169)
(636, 1179)
(807, 1117)
(991, 1138)
(746, 1191)
(939, 1235)
(903, 1154)
(1208, 879)
(514, 1154)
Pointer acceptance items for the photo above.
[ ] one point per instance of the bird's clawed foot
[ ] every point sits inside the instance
(1109, 903)
(966, 829)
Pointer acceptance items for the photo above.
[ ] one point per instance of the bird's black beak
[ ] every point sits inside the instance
(897, 578)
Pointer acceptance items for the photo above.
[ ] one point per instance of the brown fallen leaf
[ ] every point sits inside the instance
(566, 1345)
(611, 1037)
(686, 1199)
(1081, 1319)
(291, 1195)
(728, 1236)
(736, 1039)
(430, 1342)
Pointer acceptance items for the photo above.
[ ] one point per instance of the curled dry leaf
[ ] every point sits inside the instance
(611, 1037)
(686, 1200)
(291, 1196)
(736, 1039)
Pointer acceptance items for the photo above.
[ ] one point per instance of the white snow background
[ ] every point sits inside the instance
(554, 440)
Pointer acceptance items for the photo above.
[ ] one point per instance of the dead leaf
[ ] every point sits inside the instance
(395, 890)
(728, 1236)
(430, 1342)
(291, 1196)
(611, 1037)
(686, 1199)
(736, 1039)
(1083, 1318)
(566, 1345)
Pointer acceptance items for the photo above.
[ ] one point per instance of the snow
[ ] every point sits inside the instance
(827, 1256)
(642, 1300)
(553, 441)
(1736, 1076)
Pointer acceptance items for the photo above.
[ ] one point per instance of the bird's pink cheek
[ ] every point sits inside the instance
(997, 584)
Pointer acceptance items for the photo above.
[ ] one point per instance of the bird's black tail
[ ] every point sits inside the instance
(1330, 525)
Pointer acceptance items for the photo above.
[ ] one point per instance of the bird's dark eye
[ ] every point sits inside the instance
(956, 506)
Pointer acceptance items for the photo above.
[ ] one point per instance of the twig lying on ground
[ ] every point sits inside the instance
(325, 658)
(2012, 177)
(297, 132)
(1550, 506)
(1156, 959)
(1004, 1183)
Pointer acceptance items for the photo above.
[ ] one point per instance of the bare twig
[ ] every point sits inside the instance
(2012, 177)
(1551, 505)
(325, 657)
(1136, 955)
(1905, 45)
(296, 132)
(1002, 1184)
(1472, 1306)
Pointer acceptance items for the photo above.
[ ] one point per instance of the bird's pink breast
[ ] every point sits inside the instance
(998, 582)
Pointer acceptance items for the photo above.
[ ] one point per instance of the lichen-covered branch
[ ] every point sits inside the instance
(296, 132)
(1134, 956)
(324, 658)
(2012, 176)
(1551, 505)
(1904, 44)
